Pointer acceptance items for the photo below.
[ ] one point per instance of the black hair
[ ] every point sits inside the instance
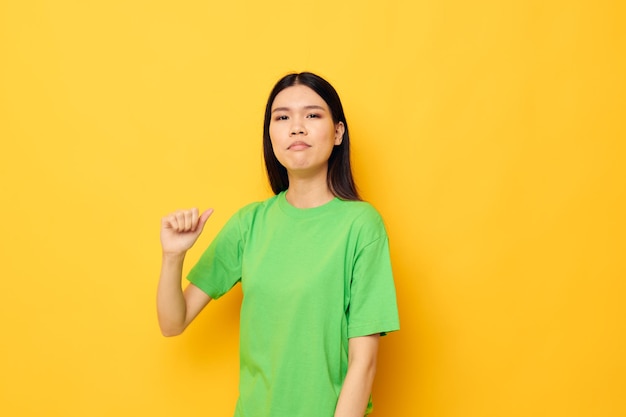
(339, 178)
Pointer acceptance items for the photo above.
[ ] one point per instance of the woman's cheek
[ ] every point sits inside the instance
(277, 151)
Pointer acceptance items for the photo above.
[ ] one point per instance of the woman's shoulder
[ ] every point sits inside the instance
(362, 214)
(251, 209)
(361, 208)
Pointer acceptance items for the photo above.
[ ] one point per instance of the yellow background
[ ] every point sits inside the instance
(489, 134)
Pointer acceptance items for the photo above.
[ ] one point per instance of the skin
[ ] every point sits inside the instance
(303, 135)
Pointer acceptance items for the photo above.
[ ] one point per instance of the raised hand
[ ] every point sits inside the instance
(180, 230)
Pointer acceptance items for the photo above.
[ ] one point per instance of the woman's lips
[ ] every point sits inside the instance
(298, 146)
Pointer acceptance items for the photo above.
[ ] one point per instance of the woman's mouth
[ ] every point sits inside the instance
(298, 146)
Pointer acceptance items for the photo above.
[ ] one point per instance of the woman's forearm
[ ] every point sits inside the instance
(171, 306)
(175, 308)
(357, 385)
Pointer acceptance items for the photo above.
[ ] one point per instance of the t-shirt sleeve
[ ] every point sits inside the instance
(219, 267)
(373, 307)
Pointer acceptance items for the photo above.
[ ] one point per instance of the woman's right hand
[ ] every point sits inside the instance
(180, 230)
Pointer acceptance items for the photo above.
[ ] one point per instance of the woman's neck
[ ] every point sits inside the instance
(308, 192)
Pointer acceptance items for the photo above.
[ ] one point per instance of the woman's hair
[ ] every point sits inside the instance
(340, 180)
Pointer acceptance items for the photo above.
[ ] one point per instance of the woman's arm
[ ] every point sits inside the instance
(357, 387)
(175, 308)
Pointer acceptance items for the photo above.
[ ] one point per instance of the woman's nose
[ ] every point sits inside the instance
(297, 129)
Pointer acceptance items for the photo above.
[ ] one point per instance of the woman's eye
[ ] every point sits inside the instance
(281, 117)
(313, 116)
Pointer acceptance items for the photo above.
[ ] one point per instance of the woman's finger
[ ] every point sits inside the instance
(187, 225)
(169, 222)
(194, 219)
(180, 221)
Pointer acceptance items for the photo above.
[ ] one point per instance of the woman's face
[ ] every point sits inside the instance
(302, 130)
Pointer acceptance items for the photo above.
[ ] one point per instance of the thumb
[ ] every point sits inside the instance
(203, 218)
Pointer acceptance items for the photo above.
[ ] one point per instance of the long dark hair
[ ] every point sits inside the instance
(340, 179)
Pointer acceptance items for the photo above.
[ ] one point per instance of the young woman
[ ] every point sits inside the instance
(313, 262)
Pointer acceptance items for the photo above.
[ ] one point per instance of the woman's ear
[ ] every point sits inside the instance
(339, 131)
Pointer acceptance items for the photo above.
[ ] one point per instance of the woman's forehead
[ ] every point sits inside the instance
(298, 96)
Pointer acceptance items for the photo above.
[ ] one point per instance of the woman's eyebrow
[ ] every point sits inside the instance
(311, 107)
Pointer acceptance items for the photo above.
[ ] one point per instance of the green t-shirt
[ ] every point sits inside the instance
(311, 279)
